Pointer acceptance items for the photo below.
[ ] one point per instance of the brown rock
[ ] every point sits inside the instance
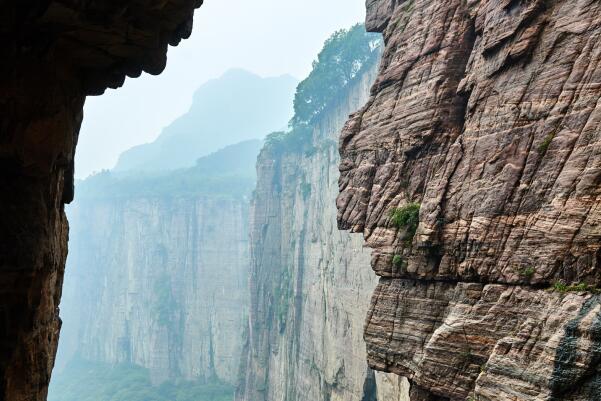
(486, 114)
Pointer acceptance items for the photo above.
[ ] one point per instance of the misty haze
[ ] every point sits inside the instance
(273, 200)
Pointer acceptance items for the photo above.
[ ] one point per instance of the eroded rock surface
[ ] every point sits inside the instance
(487, 114)
(54, 54)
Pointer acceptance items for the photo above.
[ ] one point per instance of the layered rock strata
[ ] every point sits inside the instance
(160, 283)
(54, 54)
(309, 288)
(486, 114)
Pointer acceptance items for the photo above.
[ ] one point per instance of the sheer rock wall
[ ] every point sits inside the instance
(54, 54)
(487, 114)
(158, 282)
(309, 290)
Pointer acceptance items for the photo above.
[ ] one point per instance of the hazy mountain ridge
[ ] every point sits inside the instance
(236, 107)
(227, 172)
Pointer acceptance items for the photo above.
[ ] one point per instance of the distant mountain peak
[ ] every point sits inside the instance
(238, 106)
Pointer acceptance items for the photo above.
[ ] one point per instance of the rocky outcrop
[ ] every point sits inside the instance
(486, 116)
(54, 54)
(309, 288)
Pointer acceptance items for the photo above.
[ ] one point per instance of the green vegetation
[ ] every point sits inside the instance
(397, 261)
(296, 140)
(407, 218)
(343, 59)
(562, 287)
(542, 148)
(527, 272)
(91, 381)
(345, 55)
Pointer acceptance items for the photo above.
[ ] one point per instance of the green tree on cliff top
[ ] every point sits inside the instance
(344, 56)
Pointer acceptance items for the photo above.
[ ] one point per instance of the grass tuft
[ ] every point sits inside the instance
(560, 286)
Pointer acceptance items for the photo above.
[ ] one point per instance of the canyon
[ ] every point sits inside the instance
(158, 278)
(309, 286)
(468, 179)
(161, 265)
(156, 283)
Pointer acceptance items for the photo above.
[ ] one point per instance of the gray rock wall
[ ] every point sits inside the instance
(161, 283)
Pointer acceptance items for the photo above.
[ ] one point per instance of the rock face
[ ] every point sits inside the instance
(54, 54)
(309, 288)
(486, 114)
(160, 283)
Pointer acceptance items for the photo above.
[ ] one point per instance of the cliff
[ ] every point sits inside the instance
(473, 173)
(54, 54)
(159, 283)
(309, 288)
(159, 278)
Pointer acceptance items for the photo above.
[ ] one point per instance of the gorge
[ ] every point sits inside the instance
(467, 176)
(157, 274)
(309, 287)
(157, 277)
(164, 257)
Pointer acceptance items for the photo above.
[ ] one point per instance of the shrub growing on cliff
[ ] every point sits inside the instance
(397, 261)
(407, 218)
(527, 272)
(562, 287)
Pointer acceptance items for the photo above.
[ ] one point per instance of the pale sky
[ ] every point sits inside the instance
(267, 37)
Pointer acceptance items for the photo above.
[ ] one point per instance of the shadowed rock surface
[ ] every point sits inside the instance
(486, 114)
(54, 54)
